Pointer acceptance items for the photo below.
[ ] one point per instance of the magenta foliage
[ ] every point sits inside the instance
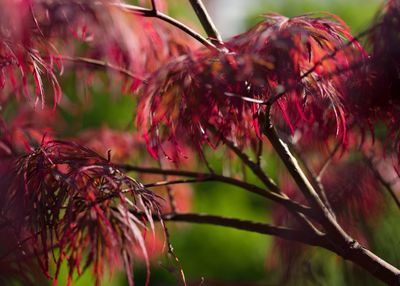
(374, 90)
(37, 38)
(64, 203)
(281, 60)
(73, 200)
(21, 48)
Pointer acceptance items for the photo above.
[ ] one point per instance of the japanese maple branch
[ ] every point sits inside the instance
(301, 179)
(234, 223)
(206, 22)
(170, 194)
(154, 5)
(315, 179)
(175, 182)
(259, 152)
(154, 13)
(256, 169)
(199, 177)
(328, 161)
(101, 64)
(173, 255)
(341, 243)
(251, 226)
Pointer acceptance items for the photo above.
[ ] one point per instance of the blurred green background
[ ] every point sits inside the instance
(219, 256)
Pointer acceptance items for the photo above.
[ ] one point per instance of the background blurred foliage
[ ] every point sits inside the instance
(218, 256)
(357, 14)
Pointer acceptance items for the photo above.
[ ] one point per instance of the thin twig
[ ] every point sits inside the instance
(268, 182)
(245, 98)
(327, 220)
(286, 233)
(176, 182)
(383, 182)
(256, 169)
(170, 194)
(173, 255)
(299, 211)
(240, 224)
(206, 162)
(151, 13)
(206, 22)
(328, 161)
(102, 64)
(259, 152)
(315, 179)
(278, 198)
(154, 5)
(262, 228)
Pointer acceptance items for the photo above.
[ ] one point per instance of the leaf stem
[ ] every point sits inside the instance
(101, 64)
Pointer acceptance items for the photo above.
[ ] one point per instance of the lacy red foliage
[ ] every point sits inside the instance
(63, 203)
(385, 60)
(284, 60)
(72, 199)
(21, 48)
(374, 90)
(38, 37)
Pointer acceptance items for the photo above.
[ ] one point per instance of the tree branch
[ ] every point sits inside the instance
(255, 168)
(262, 228)
(101, 64)
(176, 182)
(373, 264)
(170, 194)
(153, 13)
(206, 22)
(315, 179)
(340, 238)
(340, 242)
(328, 161)
(154, 5)
(285, 201)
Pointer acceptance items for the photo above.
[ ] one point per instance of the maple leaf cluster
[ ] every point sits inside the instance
(306, 75)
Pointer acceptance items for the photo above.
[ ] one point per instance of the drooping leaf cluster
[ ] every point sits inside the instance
(64, 203)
